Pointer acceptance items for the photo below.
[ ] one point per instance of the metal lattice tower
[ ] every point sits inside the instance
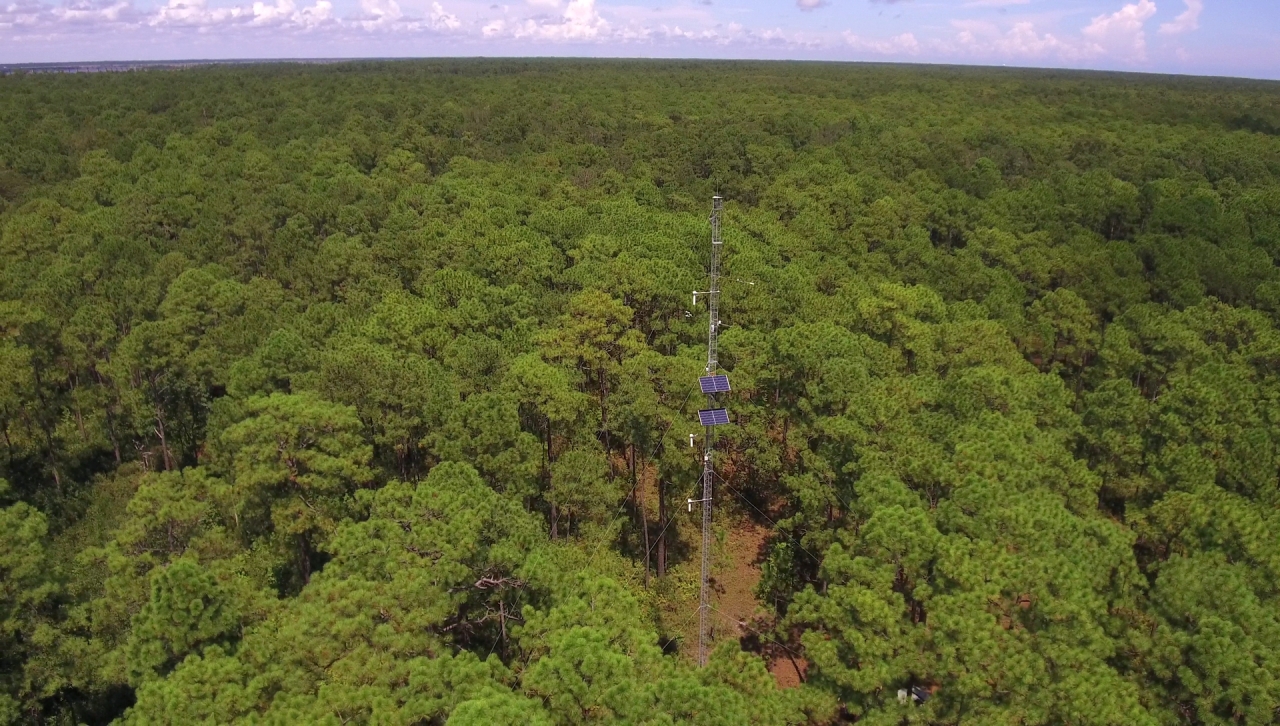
(708, 472)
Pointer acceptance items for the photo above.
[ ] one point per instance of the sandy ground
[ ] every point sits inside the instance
(735, 584)
(735, 599)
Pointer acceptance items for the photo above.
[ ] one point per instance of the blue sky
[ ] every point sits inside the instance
(1206, 37)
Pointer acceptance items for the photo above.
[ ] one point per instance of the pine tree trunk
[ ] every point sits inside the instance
(84, 436)
(8, 443)
(546, 472)
(604, 419)
(111, 431)
(644, 520)
(304, 559)
(662, 528)
(164, 444)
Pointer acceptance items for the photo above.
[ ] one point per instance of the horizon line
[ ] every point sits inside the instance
(7, 69)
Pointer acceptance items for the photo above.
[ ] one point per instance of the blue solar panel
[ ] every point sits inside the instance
(713, 417)
(714, 384)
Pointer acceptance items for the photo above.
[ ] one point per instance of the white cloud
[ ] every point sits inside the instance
(731, 34)
(193, 13)
(1188, 21)
(440, 20)
(1021, 40)
(380, 12)
(20, 16)
(91, 13)
(196, 14)
(905, 44)
(580, 21)
(285, 12)
(1121, 33)
(387, 14)
(33, 16)
(35, 21)
(380, 9)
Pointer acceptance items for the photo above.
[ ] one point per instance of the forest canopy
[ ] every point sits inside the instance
(363, 393)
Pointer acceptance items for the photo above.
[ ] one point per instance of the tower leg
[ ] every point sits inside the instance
(708, 471)
(704, 610)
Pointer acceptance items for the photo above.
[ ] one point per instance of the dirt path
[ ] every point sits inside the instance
(735, 599)
(736, 582)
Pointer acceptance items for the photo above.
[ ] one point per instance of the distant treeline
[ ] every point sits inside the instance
(122, 66)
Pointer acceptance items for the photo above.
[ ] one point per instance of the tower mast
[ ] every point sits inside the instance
(708, 472)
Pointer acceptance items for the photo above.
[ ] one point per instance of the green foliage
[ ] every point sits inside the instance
(26, 586)
(187, 611)
(294, 461)
(394, 363)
